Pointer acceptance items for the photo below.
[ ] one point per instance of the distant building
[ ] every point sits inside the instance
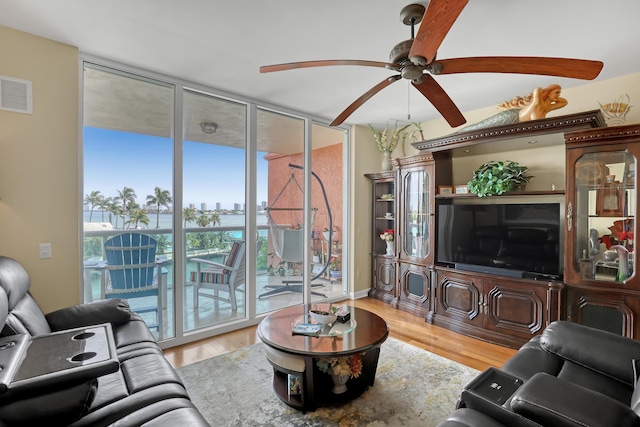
(263, 206)
(237, 206)
(218, 206)
(192, 205)
(203, 207)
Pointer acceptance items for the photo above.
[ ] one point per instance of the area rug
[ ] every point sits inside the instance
(412, 387)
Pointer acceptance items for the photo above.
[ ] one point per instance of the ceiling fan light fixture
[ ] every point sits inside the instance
(209, 127)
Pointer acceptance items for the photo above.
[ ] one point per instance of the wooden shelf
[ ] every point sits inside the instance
(510, 194)
(509, 133)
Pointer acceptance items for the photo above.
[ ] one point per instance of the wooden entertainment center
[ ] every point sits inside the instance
(493, 304)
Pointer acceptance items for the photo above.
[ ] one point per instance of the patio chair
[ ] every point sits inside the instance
(288, 245)
(134, 272)
(211, 275)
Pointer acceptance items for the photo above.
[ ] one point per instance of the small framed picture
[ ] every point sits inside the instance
(445, 189)
(610, 200)
(461, 189)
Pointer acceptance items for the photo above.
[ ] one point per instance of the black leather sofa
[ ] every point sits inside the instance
(144, 390)
(571, 375)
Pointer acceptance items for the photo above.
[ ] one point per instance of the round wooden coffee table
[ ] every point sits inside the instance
(362, 334)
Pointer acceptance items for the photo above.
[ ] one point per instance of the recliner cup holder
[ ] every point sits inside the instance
(83, 336)
(7, 345)
(83, 356)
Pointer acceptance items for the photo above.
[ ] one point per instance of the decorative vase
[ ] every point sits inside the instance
(390, 248)
(623, 262)
(386, 161)
(339, 383)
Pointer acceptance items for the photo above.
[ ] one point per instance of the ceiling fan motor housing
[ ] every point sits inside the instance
(400, 52)
(412, 72)
(400, 56)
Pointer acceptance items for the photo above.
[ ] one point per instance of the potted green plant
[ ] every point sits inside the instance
(335, 268)
(495, 178)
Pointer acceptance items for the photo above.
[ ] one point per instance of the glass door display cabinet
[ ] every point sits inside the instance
(383, 236)
(415, 232)
(417, 213)
(601, 204)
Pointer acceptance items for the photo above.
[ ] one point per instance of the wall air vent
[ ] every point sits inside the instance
(15, 95)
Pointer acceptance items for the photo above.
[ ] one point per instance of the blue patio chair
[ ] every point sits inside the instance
(134, 272)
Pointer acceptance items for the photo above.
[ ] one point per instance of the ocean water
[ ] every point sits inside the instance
(166, 220)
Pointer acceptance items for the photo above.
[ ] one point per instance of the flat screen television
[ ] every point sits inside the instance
(510, 239)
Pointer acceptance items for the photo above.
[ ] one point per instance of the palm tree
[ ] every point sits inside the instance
(131, 206)
(126, 195)
(189, 215)
(163, 243)
(92, 199)
(203, 221)
(104, 204)
(114, 210)
(136, 216)
(161, 198)
(215, 219)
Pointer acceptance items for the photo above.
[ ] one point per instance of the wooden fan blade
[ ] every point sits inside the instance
(439, 98)
(364, 98)
(436, 23)
(324, 63)
(561, 67)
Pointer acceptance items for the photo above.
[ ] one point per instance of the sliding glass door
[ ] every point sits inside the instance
(213, 200)
(128, 190)
(237, 208)
(282, 140)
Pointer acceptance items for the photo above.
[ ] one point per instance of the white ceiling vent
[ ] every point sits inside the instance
(15, 95)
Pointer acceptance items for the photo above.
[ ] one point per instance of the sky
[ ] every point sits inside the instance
(212, 173)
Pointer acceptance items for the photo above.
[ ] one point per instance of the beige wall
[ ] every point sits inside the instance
(367, 160)
(39, 160)
(39, 167)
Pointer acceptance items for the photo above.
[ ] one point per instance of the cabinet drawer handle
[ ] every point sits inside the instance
(569, 216)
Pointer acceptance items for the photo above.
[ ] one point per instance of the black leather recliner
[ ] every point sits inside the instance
(146, 390)
(573, 375)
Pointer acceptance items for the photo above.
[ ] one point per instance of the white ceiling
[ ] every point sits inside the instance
(222, 44)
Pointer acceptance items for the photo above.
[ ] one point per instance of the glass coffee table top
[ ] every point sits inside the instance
(364, 330)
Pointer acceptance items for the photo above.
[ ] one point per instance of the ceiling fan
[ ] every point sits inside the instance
(415, 60)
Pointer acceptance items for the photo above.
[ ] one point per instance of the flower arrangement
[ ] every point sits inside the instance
(621, 234)
(387, 235)
(381, 137)
(346, 365)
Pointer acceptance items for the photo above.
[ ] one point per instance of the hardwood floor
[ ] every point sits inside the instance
(402, 326)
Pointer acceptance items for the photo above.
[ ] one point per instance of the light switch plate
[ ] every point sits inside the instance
(45, 250)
